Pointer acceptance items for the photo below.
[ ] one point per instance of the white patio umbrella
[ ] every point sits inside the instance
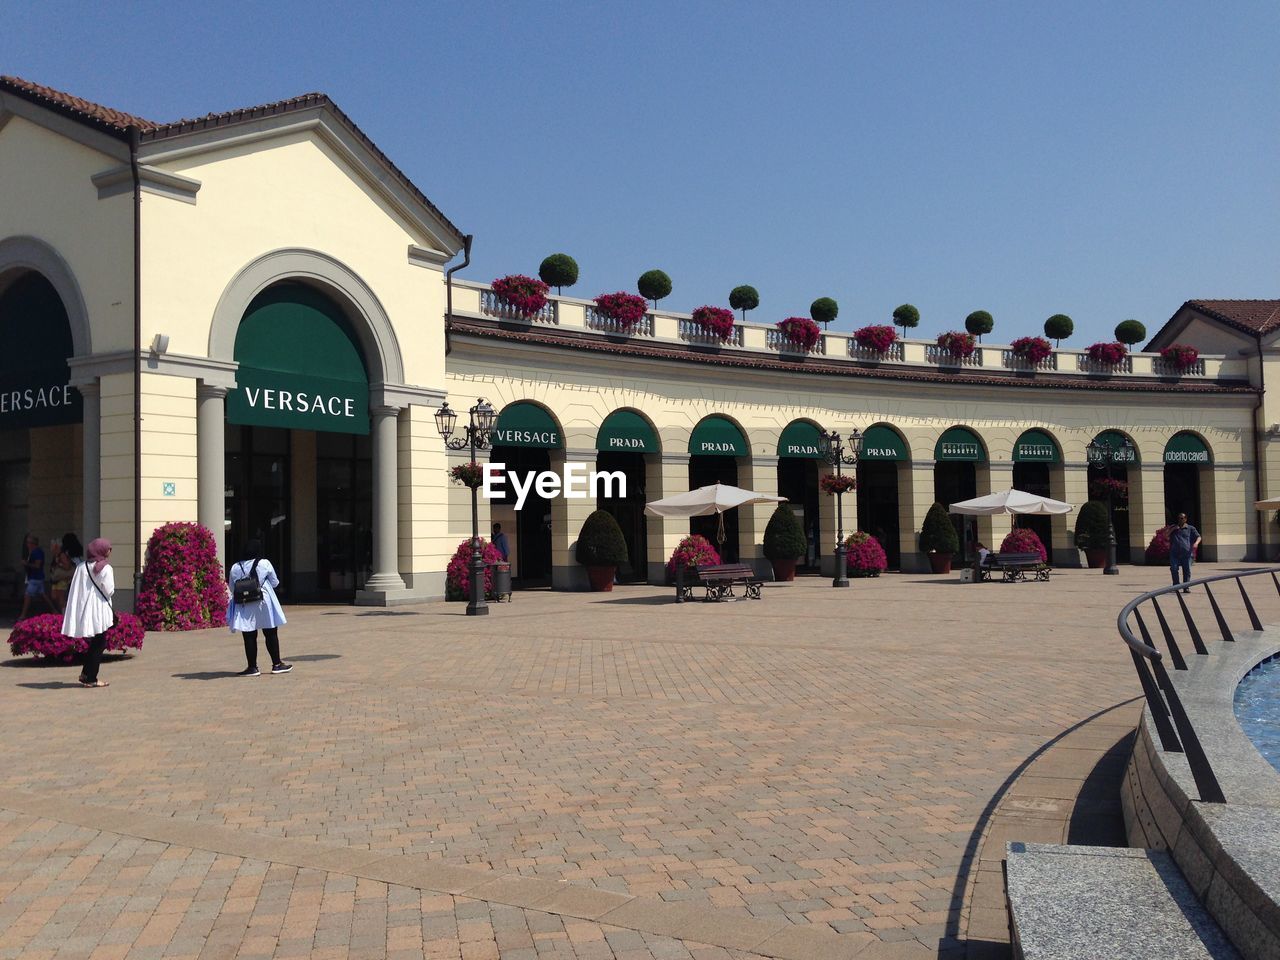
(705, 501)
(1272, 503)
(1010, 501)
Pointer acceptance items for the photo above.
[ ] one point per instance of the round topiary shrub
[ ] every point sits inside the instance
(559, 270)
(1092, 528)
(906, 316)
(457, 575)
(182, 581)
(42, 636)
(693, 551)
(1024, 540)
(744, 298)
(600, 542)
(979, 322)
(824, 310)
(784, 537)
(1059, 327)
(938, 535)
(1130, 332)
(864, 556)
(654, 285)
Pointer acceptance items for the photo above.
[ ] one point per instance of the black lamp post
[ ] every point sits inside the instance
(476, 436)
(834, 453)
(1107, 454)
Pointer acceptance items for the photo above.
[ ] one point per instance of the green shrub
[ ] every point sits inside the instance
(938, 533)
(784, 537)
(1092, 528)
(654, 285)
(1059, 327)
(559, 270)
(1130, 332)
(824, 310)
(979, 322)
(744, 298)
(906, 316)
(600, 542)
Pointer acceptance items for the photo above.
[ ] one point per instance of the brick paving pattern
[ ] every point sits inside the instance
(827, 760)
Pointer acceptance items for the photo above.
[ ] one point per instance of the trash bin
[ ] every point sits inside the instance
(501, 579)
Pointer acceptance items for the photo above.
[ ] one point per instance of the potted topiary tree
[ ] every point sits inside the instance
(559, 270)
(824, 310)
(1130, 332)
(601, 548)
(784, 542)
(906, 317)
(654, 285)
(978, 323)
(1093, 533)
(744, 298)
(938, 538)
(1059, 327)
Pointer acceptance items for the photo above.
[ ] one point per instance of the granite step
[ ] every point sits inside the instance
(1076, 902)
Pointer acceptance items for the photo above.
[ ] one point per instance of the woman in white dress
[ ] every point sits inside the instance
(265, 615)
(88, 613)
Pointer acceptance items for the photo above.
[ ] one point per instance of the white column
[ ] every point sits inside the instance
(386, 527)
(92, 466)
(211, 462)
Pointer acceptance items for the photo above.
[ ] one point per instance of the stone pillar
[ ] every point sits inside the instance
(211, 462)
(1146, 507)
(827, 519)
(761, 477)
(92, 465)
(915, 497)
(385, 583)
(567, 517)
(665, 475)
(995, 476)
(1069, 482)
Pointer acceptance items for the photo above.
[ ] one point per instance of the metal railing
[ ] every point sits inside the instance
(1177, 735)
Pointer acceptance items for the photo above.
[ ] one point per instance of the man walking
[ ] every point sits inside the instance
(1183, 541)
(500, 542)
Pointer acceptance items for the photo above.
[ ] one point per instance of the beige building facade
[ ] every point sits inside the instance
(242, 320)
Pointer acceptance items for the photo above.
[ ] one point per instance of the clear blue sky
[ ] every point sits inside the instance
(1099, 159)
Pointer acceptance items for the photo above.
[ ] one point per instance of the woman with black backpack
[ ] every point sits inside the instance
(254, 607)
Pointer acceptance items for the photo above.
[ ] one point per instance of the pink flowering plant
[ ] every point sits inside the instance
(1034, 350)
(837, 483)
(468, 474)
(1099, 488)
(1108, 354)
(693, 551)
(1024, 540)
(1180, 356)
(625, 309)
(959, 345)
(878, 337)
(457, 575)
(526, 295)
(801, 331)
(864, 555)
(716, 321)
(42, 636)
(182, 581)
(1159, 548)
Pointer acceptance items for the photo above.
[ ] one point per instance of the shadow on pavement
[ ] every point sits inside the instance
(312, 657)
(205, 675)
(664, 600)
(50, 664)
(51, 685)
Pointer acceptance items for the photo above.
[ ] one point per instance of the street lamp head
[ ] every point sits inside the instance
(483, 416)
(827, 443)
(855, 441)
(445, 420)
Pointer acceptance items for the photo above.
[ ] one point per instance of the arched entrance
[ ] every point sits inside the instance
(799, 453)
(1112, 479)
(1035, 454)
(41, 437)
(1186, 460)
(523, 438)
(298, 467)
(882, 456)
(714, 448)
(955, 477)
(626, 443)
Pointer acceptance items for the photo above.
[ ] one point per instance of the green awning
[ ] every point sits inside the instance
(800, 439)
(882, 443)
(1186, 448)
(35, 380)
(1035, 446)
(626, 431)
(717, 437)
(525, 424)
(1113, 438)
(959, 443)
(300, 365)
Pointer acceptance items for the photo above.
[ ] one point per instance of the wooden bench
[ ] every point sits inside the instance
(719, 582)
(1012, 566)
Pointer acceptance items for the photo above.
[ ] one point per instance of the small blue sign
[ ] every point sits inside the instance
(170, 489)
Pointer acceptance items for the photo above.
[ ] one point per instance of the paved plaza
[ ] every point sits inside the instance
(819, 774)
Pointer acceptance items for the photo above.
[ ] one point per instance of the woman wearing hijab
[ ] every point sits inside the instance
(89, 613)
(265, 614)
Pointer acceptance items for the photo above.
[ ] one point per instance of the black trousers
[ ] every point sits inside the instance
(271, 635)
(93, 658)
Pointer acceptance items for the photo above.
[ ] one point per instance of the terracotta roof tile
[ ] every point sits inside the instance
(1252, 316)
(76, 107)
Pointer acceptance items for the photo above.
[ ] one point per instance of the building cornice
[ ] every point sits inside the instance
(118, 180)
